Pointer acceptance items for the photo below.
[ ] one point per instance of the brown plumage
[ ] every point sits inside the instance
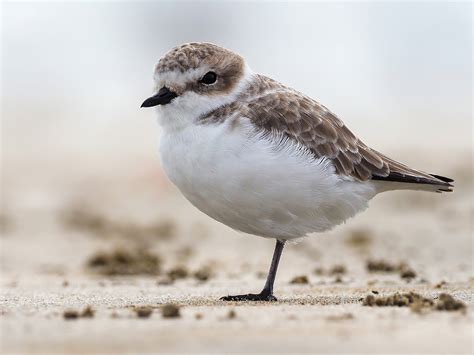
(275, 108)
(228, 66)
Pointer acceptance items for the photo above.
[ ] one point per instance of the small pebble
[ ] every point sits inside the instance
(170, 311)
(88, 312)
(447, 302)
(143, 312)
(407, 274)
(338, 270)
(203, 274)
(299, 280)
(70, 314)
(231, 314)
(178, 272)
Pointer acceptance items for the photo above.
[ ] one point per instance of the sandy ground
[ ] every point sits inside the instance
(45, 272)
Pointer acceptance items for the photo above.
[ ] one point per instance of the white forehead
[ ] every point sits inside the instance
(177, 77)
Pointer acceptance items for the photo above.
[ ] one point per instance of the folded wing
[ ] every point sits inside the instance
(288, 112)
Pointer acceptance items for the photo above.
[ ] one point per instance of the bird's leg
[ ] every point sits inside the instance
(267, 292)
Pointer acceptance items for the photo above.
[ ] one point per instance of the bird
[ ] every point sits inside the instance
(261, 157)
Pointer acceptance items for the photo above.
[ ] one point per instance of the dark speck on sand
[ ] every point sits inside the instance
(232, 314)
(170, 311)
(416, 302)
(299, 280)
(143, 312)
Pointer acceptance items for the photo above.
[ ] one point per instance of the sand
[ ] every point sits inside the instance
(45, 273)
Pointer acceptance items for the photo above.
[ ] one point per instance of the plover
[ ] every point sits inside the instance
(263, 158)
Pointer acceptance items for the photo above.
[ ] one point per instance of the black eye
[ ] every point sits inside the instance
(209, 78)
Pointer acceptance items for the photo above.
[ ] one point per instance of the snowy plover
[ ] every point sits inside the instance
(263, 158)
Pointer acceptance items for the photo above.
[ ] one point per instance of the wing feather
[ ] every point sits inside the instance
(309, 123)
(275, 108)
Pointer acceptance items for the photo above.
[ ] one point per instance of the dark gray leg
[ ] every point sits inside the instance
(267, 292)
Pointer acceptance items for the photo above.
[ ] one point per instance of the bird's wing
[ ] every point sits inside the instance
(285, 111)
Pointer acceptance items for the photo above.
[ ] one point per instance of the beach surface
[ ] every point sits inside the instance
(125, 247)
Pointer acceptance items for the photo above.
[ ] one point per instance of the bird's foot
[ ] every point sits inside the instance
(259, 297)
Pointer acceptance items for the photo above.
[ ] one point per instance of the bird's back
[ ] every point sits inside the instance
(276, 109)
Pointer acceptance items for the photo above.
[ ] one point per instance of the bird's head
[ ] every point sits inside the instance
(195, 78)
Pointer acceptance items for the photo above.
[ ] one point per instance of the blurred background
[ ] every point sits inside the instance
(80, 169)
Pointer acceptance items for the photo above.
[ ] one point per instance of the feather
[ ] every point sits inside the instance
(282, 110)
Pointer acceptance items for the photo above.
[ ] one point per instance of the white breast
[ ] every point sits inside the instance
(259, 185)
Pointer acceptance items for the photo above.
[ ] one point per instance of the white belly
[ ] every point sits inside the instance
(259, 186)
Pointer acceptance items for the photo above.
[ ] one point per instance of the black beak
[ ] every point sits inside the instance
(163, 97)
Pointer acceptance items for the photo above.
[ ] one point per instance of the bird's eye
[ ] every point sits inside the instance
(209, 78)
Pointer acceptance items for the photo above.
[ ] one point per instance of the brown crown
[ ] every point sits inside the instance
(192, 55)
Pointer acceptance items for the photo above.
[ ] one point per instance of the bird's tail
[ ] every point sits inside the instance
(401, 177)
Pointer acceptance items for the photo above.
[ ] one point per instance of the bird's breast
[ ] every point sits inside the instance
(255, 184)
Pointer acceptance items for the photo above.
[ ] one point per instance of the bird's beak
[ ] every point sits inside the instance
(163, 97)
